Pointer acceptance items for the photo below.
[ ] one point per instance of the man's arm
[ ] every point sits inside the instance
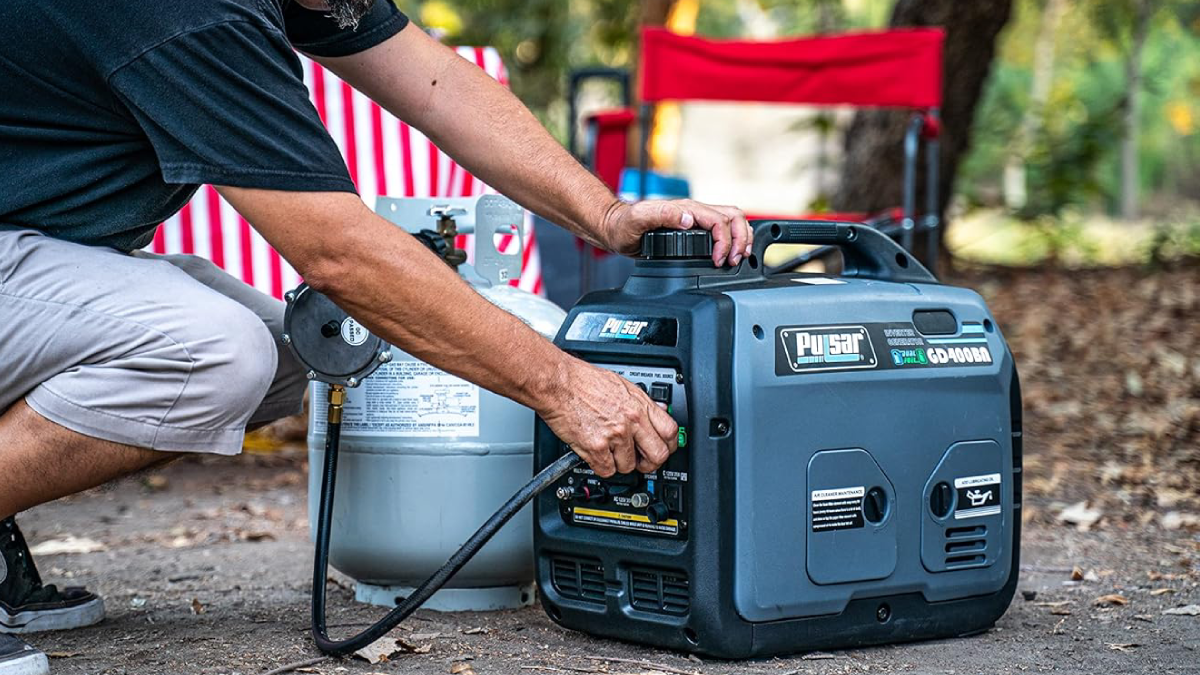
(406, 295)
(491, 133)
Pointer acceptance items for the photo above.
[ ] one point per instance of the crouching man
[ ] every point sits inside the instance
(115, 360)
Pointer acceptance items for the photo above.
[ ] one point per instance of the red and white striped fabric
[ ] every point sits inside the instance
(385, 157)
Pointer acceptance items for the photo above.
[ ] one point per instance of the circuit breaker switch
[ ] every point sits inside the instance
(660, 392)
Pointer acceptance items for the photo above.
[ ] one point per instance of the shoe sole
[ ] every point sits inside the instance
(32, 663)
(51, 619)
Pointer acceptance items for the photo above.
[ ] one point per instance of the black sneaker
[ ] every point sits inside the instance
(26, 605)
(18, 658)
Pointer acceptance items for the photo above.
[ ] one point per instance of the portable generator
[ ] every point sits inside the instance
(849, 462)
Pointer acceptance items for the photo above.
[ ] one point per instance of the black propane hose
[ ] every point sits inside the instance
(540, 482)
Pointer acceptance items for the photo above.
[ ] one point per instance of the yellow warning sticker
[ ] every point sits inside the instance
(625, 521)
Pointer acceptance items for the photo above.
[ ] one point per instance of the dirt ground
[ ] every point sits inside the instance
(205, 564)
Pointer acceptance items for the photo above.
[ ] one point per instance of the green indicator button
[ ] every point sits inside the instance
(682, 437)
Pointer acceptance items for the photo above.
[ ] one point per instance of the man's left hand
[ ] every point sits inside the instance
(624, 224)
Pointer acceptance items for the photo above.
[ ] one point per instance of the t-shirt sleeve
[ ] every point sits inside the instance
(226, 104)
(314, 32)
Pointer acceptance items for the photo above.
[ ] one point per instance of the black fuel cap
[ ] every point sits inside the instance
(677, 244)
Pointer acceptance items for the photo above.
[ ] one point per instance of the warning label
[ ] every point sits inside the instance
(624, 521)
(409, 398)
(839, 509)
(977, 496)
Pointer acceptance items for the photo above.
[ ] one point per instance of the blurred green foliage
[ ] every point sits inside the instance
(1073, 161)
(1174, 238)
(1073, 158)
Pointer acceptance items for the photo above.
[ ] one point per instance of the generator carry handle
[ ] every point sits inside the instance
(867, 253)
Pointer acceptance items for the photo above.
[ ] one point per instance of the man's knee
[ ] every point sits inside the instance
(193, 265)
(234, 364)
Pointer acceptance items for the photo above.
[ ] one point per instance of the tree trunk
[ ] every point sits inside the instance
(655, 12)
(1133, 107)
(874, 163)
(1015, 185)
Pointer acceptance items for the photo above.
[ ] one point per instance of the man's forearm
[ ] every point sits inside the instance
(387, 280)
(403, 293)
(482, 125)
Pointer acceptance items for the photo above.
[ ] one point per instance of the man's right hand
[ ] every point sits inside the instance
(609, 422)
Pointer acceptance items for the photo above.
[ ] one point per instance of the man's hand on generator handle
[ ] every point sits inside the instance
(609, 422)
(624, 224)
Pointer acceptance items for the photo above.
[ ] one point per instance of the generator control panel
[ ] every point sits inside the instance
(654, 504)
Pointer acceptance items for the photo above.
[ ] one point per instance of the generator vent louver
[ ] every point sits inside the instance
(665, 592)
(579, 578)
(966, 546)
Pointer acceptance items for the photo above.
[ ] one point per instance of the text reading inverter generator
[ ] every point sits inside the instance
(849, 463)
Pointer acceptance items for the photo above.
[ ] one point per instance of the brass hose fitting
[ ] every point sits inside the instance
(337, 398)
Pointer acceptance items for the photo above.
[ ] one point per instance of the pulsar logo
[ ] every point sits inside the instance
(623, 329)
(630, 329)
(834, 344)
(824, 348)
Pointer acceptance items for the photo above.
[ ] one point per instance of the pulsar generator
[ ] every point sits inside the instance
(849, 462)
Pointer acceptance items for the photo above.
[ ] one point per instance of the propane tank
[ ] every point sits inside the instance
(427, 457)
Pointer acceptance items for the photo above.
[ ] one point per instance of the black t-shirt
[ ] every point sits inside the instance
(113, 112)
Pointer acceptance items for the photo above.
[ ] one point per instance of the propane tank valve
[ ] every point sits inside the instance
(447, 229)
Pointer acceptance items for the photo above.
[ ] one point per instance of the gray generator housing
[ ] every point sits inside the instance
(901, 430)
(851, 473)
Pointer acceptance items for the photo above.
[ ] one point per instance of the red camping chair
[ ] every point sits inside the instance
(897, 68)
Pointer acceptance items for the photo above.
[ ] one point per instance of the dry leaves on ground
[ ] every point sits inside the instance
(1081, 516)
(67, 544)
(385, 648)
(1110, 377)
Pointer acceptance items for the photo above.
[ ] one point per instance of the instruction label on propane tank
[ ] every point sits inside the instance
(409, 398)
(839, 509)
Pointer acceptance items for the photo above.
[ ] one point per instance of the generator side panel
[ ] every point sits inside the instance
(875, 463)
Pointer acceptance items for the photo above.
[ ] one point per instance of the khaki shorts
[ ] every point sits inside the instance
(162, 352)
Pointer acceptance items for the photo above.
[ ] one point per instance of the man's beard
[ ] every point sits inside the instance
(348, 12)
